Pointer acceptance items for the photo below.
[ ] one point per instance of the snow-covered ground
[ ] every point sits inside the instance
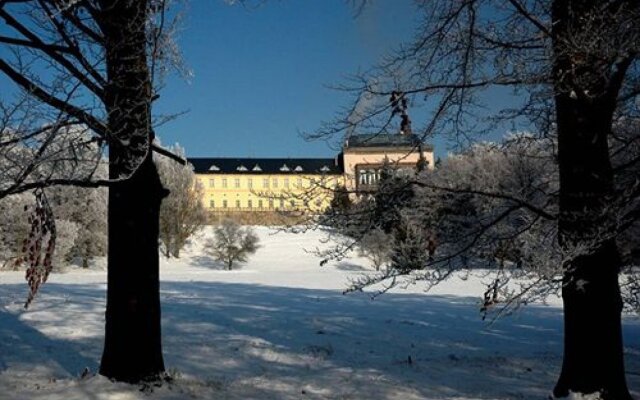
(279, 328)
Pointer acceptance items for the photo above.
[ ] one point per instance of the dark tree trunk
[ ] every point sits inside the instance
(132, 349)
(585, 99)
(593, 352)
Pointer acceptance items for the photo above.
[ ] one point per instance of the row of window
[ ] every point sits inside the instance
(372, 176)
(266, 183)
(368, 176)
(271, 203)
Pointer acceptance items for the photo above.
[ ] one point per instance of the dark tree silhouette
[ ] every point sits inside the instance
(103, 54)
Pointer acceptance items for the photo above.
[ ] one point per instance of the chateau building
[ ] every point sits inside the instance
(363, 157)
(304, 184)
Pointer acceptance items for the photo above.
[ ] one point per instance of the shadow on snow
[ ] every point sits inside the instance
(286, 340)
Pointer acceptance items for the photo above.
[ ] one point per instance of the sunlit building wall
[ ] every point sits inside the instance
(304, 184)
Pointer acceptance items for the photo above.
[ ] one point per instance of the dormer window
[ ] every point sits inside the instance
(324, 169)
(241, 168)
(214, 167)
(256, 168)
(284, 168)
(298, 169)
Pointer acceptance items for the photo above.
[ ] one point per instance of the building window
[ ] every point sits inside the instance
(250, 183)
(281, 204)
(212, 203)
(237, 203)
(265, 183)
(224, 183)
(275, 182)
(212, 183)
(224, 203)
(362, 177)
(236, 183)
(249, 203)
(299, 182)
(371, 177)
(270, 203)
(293, 203)
(368, 176)
(260, 204)
(286, 183)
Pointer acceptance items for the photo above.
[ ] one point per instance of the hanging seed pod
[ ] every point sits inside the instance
(39, 246)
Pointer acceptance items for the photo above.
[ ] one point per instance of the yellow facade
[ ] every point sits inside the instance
(267, 192)
(304, 184)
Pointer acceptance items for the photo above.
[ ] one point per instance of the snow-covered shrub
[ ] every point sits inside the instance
(14, 226)
(66, 234)
(90, 214)
(376, 246)
(410, 245)
(87, 208)
(182, 213)
(232, 243)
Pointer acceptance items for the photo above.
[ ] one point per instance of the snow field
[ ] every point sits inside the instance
(280, 328)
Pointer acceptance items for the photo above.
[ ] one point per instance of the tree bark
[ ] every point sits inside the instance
(593, 350)
(585, 101)
(132, 348)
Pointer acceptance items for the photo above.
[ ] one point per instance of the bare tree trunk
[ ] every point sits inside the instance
(585, 103)
(133, 349)
(593, 351)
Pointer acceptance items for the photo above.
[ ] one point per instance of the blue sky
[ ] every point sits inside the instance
(261, 75)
